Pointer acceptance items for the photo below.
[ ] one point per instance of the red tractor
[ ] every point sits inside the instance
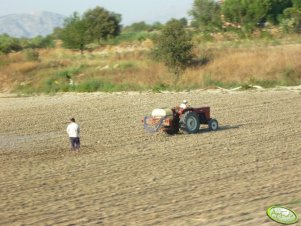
(172, 120)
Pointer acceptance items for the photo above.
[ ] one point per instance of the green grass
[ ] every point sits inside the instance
(127, 65)
(265, 83)
(69, 72)
(159, 87)
(129, 37)
(290, 77)
(208, 81)
(94, 85)
(52, 86)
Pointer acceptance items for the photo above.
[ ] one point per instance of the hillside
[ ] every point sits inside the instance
(128, 67)
(30, 25)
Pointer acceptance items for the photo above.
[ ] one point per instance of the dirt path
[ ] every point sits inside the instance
(124, 176)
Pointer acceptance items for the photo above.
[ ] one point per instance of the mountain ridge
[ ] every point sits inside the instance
(29, 25)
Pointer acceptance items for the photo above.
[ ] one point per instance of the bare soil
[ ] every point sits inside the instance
(125, 176)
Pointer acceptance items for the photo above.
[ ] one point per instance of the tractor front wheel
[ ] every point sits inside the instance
(190, 122)
(213, 125)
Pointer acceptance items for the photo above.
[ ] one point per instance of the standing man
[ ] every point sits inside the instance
(184, 104)
(73, 132)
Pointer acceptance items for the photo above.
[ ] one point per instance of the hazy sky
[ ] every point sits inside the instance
(131, 10)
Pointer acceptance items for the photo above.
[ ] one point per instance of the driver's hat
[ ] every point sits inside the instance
(185, 101)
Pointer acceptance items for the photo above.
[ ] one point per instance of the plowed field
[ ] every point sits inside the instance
(124, 176)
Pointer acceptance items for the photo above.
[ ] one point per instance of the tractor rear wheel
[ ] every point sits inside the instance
(190, 122)
(213, 125)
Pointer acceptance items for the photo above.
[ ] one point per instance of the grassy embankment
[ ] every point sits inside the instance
(127, 66)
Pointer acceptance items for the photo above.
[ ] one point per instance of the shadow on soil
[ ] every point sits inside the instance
(221, 128)
(227, 127)
(206, 130)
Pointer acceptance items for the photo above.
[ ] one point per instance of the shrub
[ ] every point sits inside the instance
(128, 37)
(68, 73)
(39, 42)
(89, 86)
(31, 55)
(157, 88)
(9, 44)
(290, 78)
(127, 65)
(174, 47)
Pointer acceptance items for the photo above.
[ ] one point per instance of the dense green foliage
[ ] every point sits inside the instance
(10, 44)
(38, 42)
(174, 47)
(101, 24)
(292, 18)
(210, 15)
(206, 15)
(277, 7)
(95, 25)
(142, 26)
(137, 27)
(246, 13)
(74, 34)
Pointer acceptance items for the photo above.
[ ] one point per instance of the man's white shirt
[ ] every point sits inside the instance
(183, 106)
(73, 130)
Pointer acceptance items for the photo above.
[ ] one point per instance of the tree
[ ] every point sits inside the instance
(276, 10)
(9, 44)
(137, 27)
(296, 4)
(74, 34)
(184, 21)
(95, 24)
(246, 13)
(101, 24)
(157, 26)
(174, 47)
(292, 17)
(40, 42)
(206, 15)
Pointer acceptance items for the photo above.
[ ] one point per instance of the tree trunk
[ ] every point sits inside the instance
(177, 75)
(82, 49)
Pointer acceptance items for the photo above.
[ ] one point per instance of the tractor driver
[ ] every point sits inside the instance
(184, 104)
